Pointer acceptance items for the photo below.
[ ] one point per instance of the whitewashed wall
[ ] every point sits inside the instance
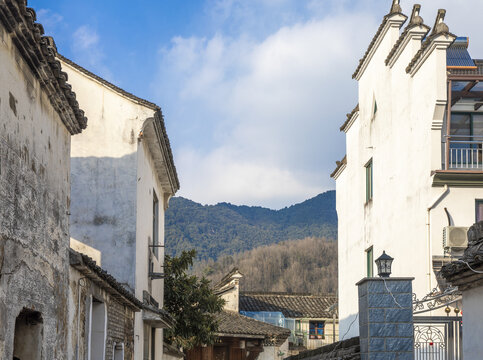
(404, 141)
(113, 179)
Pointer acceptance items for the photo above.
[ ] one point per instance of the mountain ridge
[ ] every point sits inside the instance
(226, 229)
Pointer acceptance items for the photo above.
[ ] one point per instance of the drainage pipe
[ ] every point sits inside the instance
(78, 314)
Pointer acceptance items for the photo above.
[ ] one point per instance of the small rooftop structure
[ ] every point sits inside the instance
(290, 305)
(232, 324)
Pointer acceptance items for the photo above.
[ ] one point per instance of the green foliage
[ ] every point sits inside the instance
(226, 229)
(192, 303)
(300, 266)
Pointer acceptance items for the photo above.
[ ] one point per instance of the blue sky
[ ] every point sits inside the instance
(253, 91)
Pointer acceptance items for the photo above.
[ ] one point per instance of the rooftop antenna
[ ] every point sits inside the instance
(415, 18)
(439, 25)
(395, 8)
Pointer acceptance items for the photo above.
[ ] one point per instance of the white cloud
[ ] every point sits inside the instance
(49, 19)
(85, 38)
(255, 119)
(87, 49)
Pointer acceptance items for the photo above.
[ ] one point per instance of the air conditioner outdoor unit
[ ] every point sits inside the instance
(454, 237)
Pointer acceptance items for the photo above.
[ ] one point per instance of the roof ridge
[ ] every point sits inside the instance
(108, 84)
(38, 53)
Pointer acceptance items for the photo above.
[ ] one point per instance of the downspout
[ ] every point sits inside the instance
(78, 316)
(428, 232)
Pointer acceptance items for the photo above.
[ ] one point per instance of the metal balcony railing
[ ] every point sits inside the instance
(465, 152)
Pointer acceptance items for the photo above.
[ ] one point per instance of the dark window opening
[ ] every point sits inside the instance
(27, 343)
(369, 181)
(370, 262)
(479, 210)
(316, 329)
(155, 224)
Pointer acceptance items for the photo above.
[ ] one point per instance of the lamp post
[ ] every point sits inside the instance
(384, 263)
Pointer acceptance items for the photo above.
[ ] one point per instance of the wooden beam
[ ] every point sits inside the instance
(465, 77)
(468, 94)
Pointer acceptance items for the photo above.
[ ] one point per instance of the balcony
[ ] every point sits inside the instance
(465, 153)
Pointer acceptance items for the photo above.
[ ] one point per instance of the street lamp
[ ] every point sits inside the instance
(384, 263)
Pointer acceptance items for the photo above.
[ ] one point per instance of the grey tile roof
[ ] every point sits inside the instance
(339, 165)
(439, 28)
(395, 9)
(87, 266)
(233, 324)
(415, 21)
(477, 72)
(290, 305)
(349, 117)
(39, 53)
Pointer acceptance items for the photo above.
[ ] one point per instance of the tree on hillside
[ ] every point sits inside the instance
(190, 300)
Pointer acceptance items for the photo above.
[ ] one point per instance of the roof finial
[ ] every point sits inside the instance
(439, 25)
(395, 8)
(415, 18)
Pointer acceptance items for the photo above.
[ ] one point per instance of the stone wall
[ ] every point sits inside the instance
(347, 350)
(34, 204)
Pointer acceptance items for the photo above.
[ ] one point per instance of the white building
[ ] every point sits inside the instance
(123, 176)
(413, 163)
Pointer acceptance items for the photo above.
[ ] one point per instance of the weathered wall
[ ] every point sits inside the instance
(34, 202)
(104, 181)
(120, 319)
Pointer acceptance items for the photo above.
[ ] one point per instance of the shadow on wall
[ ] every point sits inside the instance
(103, 210)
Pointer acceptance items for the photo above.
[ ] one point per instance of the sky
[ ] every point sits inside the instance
(253, 91)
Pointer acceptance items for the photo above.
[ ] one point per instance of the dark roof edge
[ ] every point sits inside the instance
(81, 261)
(414, 22)
(374, 39)
(348, 118)
(109, 85)
(339, 166)
(166, 146)
(39, 54)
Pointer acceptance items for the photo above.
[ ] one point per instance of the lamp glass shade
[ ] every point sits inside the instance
(384, 264)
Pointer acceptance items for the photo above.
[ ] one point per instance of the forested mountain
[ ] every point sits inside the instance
(226, 229)
(300, 266)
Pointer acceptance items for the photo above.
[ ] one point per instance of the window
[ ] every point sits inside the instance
(153, 343)
(316, 329)
(370, 262)
(97, 330)
(479, 210)
(155, 224)
(369, 183)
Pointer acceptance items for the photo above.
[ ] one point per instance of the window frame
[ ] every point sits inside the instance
(155, 231)
(477, 202)
(369, 170)
(370, 262)
(313, 332)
